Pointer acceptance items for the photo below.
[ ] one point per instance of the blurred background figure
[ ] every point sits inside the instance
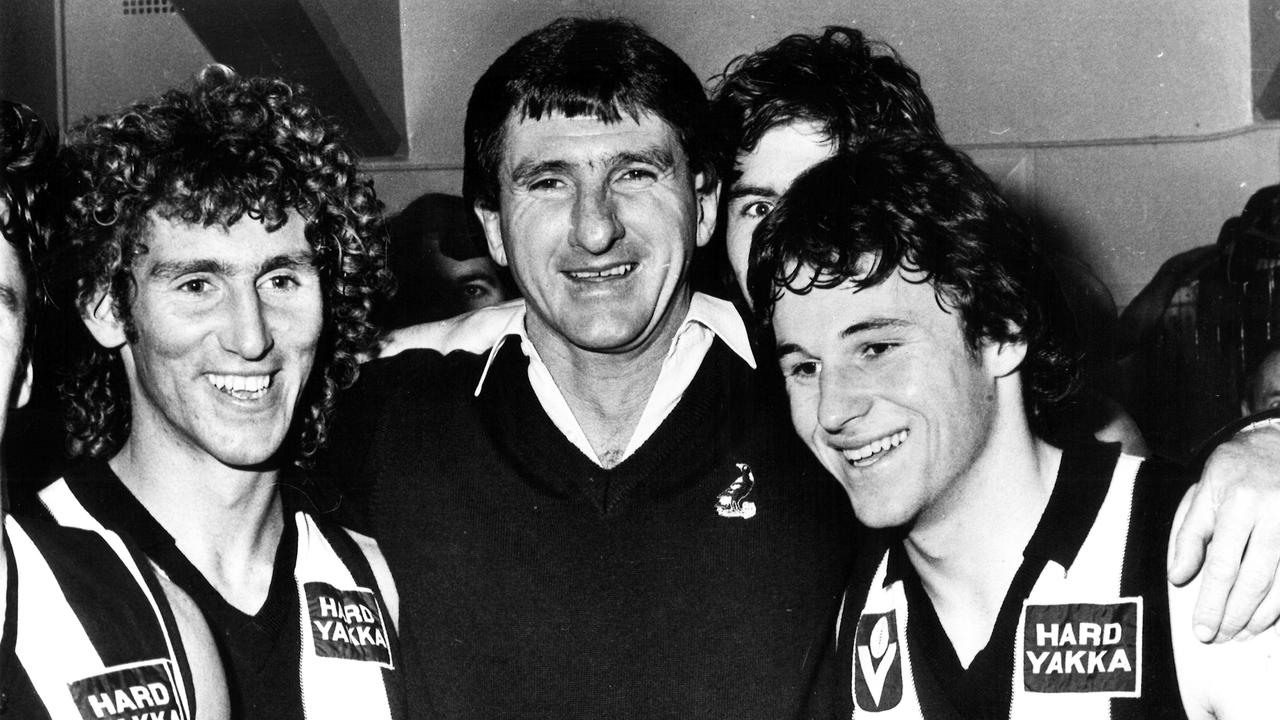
(1262, 386)
(441, 263)
(1187, 338)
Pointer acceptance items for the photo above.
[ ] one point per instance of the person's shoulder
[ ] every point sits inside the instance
(50, 536)
(1235, 679)
(420, 371)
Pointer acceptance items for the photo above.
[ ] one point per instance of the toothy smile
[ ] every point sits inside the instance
(613, 272)
(241, 387)
(873, 449)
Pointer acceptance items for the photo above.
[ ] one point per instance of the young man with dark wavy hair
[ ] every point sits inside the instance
(918, 327)
(221, 252)
(86, 621)
(782, 109)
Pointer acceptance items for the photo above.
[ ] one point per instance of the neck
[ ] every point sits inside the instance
(967, 554)
(227, 521)
(607, 391)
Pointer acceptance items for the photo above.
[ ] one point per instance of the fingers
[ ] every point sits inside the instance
(1264, 618)
(1222, 563)
(1193, 535)
(1254, 604)
(1253, 584)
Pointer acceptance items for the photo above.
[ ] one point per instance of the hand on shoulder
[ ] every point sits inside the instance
(1239, 678)
(475, 331)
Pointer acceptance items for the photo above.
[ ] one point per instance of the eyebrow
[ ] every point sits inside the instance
(873, 324)
(785, 349)
(476, 275)
(657, 156)
(171, 269)
(738, 191)
(527, 169)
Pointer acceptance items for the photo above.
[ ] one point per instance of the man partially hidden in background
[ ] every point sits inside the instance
(441, 263)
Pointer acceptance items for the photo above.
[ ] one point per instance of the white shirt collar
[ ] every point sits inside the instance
(708, 318)
(717, 315)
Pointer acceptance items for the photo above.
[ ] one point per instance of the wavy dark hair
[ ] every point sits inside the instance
(849, 86)
(594, 67)
(230, 147)
(28, 154)
(919, 205)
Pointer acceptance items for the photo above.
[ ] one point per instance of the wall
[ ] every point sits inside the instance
(1125, 127)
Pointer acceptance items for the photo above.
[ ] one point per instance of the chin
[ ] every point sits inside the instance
(609, 338)
(261, 455)
(258, 461)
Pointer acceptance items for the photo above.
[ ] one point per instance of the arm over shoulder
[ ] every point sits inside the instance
(473, 332)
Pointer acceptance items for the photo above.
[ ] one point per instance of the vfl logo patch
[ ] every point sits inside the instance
(732, 501)
(139, 691)
(1084, 648)
(347, 624)
(877, 662)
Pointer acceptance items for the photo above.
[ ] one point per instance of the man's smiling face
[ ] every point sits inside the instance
(227, 324)
(598, 222)
(887, 393)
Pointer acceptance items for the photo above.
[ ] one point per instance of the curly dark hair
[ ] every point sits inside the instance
(227, 148)
(847, 85)
(922, 206)
(28, 155)
(598, 67)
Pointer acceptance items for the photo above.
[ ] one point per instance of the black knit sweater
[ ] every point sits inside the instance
(534, 583)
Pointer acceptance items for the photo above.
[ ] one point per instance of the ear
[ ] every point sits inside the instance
(491, 221)
(1002, 359)
(708, 208)
(99, 316)
(24, 390)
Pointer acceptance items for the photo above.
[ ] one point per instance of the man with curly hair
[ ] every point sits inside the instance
(84, 615)
(221, 252)
(916, 326)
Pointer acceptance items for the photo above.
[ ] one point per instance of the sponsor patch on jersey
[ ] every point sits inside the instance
(347, 624)
(1083, 648)
(877, 662)
(138, 691)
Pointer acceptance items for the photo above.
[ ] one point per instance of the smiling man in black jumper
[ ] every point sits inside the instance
(598, 516)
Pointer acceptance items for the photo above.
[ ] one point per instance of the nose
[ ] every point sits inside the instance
(842, 399)
(246, 330)
(595, 223)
